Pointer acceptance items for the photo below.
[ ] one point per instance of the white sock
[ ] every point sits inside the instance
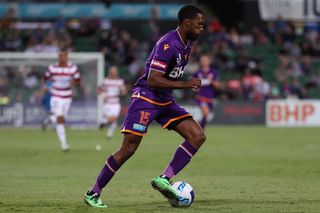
(111, 129)
(62, 136)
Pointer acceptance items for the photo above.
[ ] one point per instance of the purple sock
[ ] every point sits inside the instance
(203, 122)
(181, 158)
(106, 173)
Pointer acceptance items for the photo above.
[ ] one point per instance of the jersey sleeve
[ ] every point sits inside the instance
(162, 57)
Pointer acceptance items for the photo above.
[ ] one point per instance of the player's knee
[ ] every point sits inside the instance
(60, 119)
(112, 119)
(203, 137)
(200, 137)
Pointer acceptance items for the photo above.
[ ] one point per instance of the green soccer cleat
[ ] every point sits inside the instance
(94, 201)
(164, 187)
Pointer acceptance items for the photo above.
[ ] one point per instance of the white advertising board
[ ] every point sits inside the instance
(293, 113)
(298, 10)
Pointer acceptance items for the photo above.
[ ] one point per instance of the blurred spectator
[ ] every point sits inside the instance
(60, 24)
(258, 36)
(215, 25)
(306, 65)
(280, 25)
(250, 83)
(4, 99)
(274, 91)
(234, 89)
(13, 41)
(8, 19)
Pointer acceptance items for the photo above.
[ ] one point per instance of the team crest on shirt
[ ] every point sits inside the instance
(166, 46)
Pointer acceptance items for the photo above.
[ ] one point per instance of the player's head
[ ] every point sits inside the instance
(191, 20)
(113, 72)
(205, 62)
(63, 56)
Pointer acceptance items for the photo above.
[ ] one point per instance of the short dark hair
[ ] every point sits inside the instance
(63, 49)
(188, 12)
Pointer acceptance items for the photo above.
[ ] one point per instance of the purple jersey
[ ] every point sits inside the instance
(206, 91)
(169, 56)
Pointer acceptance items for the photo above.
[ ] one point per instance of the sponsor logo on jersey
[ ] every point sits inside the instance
(159, 64)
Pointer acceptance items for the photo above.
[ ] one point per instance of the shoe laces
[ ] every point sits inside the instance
(169, 181)
(95, 196)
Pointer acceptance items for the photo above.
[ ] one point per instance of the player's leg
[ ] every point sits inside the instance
(194, 137)
(61, 108)
(178, 119)
(204, 108)
(129, 146)
(112, 114)
(53, 108)
(53, 118)
(105, 121)
(112, 126)
(57, 117)
(46, 120)
(134, 127)
(61, 132)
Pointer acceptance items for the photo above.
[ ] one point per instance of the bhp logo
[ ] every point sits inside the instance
(285, 112)
(293, 113)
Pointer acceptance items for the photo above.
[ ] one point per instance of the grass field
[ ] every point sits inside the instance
(239, 169)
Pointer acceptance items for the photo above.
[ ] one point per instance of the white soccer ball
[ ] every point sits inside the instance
(185, 194)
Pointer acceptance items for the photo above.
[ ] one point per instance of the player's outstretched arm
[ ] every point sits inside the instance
(216, 84)
(157, 80)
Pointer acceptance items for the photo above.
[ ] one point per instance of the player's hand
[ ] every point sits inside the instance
(194, 83)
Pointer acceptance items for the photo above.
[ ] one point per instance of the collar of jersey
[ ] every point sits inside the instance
(185, 45)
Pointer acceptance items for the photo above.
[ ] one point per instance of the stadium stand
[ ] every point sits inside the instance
(277, 56)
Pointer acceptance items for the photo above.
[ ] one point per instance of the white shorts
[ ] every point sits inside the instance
(111, 110)
(60, 106)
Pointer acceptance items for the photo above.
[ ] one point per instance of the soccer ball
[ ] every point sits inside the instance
(185, 194)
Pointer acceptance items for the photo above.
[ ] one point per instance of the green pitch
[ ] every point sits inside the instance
(239, 169)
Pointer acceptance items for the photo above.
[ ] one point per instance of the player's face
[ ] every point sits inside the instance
(204, 61)
(63, 57)
(113, 72)
(195, 27)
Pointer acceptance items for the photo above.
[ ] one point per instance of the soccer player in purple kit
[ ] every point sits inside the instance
(205, 94)
(152, 100)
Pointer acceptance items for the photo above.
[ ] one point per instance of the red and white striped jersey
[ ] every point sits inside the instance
(111, 90)
(61, 78)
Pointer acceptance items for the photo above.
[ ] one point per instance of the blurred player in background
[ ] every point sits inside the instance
(152, 100)
(62, 75)
(46, 103)
(111, 89)
(205, 94)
